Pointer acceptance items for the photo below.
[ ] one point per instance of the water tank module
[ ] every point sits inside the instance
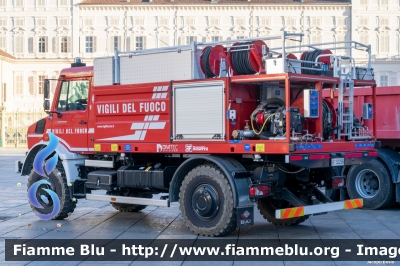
(311, 103)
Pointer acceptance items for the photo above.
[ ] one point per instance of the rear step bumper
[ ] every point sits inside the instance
(128, 200)
(319, 208)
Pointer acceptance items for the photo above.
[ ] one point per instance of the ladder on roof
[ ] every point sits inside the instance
(346, 106)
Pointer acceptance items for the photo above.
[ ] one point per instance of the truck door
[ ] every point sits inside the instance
(71, 120)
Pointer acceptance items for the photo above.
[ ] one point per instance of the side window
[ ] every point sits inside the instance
(62, 100)
(73, 95)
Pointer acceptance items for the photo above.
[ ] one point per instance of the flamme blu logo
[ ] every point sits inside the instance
(44, 168)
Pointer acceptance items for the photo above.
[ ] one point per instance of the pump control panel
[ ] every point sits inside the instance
(311, 103)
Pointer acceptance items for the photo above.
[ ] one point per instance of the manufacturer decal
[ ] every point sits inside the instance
(127, 147)
(44, 168)
(246, 147)
(167, 148)
(245, 216)
(260, 147)
(192, 148)
(308, 146)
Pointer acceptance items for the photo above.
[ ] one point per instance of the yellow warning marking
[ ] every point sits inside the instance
(292, 212)
(97, 147)
(260, 148)
(353, 204)
(114, 147)
(148, 168)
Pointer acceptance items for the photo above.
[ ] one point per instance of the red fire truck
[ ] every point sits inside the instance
(216, 127)
(378, 181)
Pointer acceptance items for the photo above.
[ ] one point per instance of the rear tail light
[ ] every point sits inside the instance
(338, 181)
(259, 190)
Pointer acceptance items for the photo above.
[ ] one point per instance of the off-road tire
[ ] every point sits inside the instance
(268, 206)
(372, 182)
(60, 186)
(123, 207)
(202, 183)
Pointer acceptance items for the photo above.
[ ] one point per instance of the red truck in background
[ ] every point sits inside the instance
(378, 181)
(216, 126)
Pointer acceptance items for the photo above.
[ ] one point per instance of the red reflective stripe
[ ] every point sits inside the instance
(298, 211)
(296, 158)
(286, 214)
(320, 157)
(358, 203)
(348, 203)
(352, 155)
(373, 153)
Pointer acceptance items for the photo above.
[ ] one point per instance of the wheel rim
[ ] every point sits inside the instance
(367, 183)
(205, 202)
(43, 197)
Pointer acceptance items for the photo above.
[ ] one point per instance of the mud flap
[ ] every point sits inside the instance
(245, 216)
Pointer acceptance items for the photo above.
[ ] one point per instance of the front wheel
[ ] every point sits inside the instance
(57, 183)
(206, 202)
(372, 182)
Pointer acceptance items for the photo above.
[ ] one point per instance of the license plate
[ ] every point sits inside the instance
(337, 161)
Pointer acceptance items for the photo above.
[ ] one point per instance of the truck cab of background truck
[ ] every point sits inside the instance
(191, 142)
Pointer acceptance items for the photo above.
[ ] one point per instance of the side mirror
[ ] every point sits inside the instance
(46, 89)
(46, 105)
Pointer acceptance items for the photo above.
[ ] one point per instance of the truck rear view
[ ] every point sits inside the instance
(216, 127)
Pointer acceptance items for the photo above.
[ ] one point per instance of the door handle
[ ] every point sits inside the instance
(83, 123)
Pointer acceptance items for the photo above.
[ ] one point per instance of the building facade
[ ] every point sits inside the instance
(44, 36)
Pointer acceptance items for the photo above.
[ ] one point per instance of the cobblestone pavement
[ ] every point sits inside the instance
(93, 220)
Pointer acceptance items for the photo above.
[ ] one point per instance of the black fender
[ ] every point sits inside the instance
(28, 163)
(391, 159)
(240, 186)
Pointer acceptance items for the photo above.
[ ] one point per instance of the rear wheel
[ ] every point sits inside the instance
(372, 182)
(123, 207)
(206, 202)
(57, 183)
(269, 205)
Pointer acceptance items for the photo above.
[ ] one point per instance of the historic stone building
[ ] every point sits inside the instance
(40, 37)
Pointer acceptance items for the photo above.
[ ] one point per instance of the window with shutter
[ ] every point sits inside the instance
(18, 22)
(363, 21)
(19, 44)
(40, 22)
(383, 22)
(138, 21)
(189, 22)
(31, 85)
(264, 21)
(40, 3)
(19, 80)
(384, 44)
(3, 42)
(384, 80)
(19, 3)
(41, 79)
(3, 22)
(62, 22)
